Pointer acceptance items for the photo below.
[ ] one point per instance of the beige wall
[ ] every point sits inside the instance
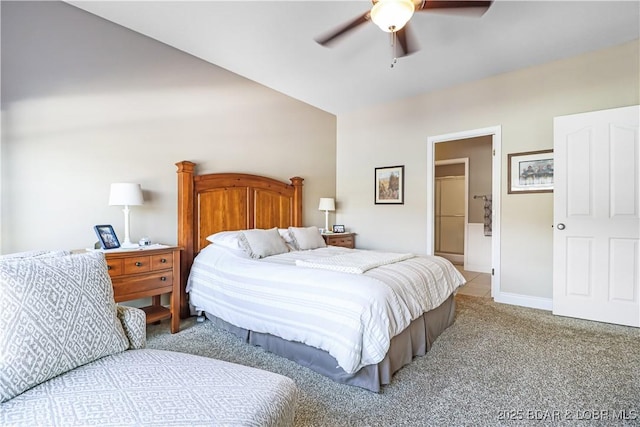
(86, 102)
(524, 103)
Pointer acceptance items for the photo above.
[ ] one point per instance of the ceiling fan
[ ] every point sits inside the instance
(392, 16)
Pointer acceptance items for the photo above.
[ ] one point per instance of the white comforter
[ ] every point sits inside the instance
(355, 262)
(351, 316)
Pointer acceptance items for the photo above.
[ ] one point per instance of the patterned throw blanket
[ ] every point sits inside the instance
(354, 262)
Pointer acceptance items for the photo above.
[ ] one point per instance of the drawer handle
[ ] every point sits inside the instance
(109, 267)
(164, 279)
(138, 264)
(163, 260)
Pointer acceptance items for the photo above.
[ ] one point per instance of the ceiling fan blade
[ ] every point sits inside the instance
(328, 38)
(458, 7)
(407, 42)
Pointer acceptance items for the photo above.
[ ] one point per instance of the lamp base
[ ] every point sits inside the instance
(129, 245)
(326, 221)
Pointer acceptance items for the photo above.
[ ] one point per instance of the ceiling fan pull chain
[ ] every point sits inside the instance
(394, 56)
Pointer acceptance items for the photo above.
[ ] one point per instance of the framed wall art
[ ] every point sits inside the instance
(389, 185)
(530, 172)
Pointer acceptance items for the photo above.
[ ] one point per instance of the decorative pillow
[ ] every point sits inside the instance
(288, 239)
(134, 324)
(57, 313)
(228, 239)
(307, 238)
(260, 243)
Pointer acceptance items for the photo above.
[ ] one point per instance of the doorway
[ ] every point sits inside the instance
(451, 195)
(493, 194)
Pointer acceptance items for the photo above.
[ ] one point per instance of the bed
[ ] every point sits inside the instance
(344, 313)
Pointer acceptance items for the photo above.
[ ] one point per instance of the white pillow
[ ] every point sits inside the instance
(260, 243)
(307, 238)
(227, 239)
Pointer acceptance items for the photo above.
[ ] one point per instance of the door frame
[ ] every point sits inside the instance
(465, 162)
(496, 180)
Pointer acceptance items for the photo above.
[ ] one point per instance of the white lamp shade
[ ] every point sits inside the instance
(392, 15)
(125, 194)
(327, 204)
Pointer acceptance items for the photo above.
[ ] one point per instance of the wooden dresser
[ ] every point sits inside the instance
(142, 273)
(346, 240)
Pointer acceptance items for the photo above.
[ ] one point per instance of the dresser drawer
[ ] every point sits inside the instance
(161, 262)
(115, 267)
(140, 264)
(142, 286)
(346, 240)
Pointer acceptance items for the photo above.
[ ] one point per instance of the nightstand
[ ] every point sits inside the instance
(142, 273)
(346, 240)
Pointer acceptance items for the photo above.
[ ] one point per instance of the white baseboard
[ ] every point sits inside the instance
(524, 301)
(478, 268)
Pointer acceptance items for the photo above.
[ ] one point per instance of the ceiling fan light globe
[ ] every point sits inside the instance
(392, 15)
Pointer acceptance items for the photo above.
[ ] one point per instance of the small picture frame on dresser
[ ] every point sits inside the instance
(338, 228)
(107, 237)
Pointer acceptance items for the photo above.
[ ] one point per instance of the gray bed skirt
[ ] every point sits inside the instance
(414, 341)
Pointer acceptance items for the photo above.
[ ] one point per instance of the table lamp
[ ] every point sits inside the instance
(126, 194)
(327, 204)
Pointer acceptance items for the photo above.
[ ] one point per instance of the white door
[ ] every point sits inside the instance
(596, 216)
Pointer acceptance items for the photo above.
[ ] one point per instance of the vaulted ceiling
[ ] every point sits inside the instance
(272, 42)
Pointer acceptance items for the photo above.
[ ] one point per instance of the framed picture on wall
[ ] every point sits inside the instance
(530, 172)
(389, 185)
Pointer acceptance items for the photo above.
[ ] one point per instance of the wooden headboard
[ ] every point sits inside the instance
(217, 202)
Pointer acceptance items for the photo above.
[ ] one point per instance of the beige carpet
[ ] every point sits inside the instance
(496, 365)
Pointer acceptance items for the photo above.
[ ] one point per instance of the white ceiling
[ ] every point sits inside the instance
(272, 42)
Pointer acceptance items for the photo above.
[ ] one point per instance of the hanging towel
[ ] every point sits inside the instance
(487, 215)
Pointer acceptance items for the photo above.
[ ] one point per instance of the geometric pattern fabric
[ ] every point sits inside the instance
(56, 313)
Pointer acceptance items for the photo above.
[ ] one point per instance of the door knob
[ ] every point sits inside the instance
(560, 226)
